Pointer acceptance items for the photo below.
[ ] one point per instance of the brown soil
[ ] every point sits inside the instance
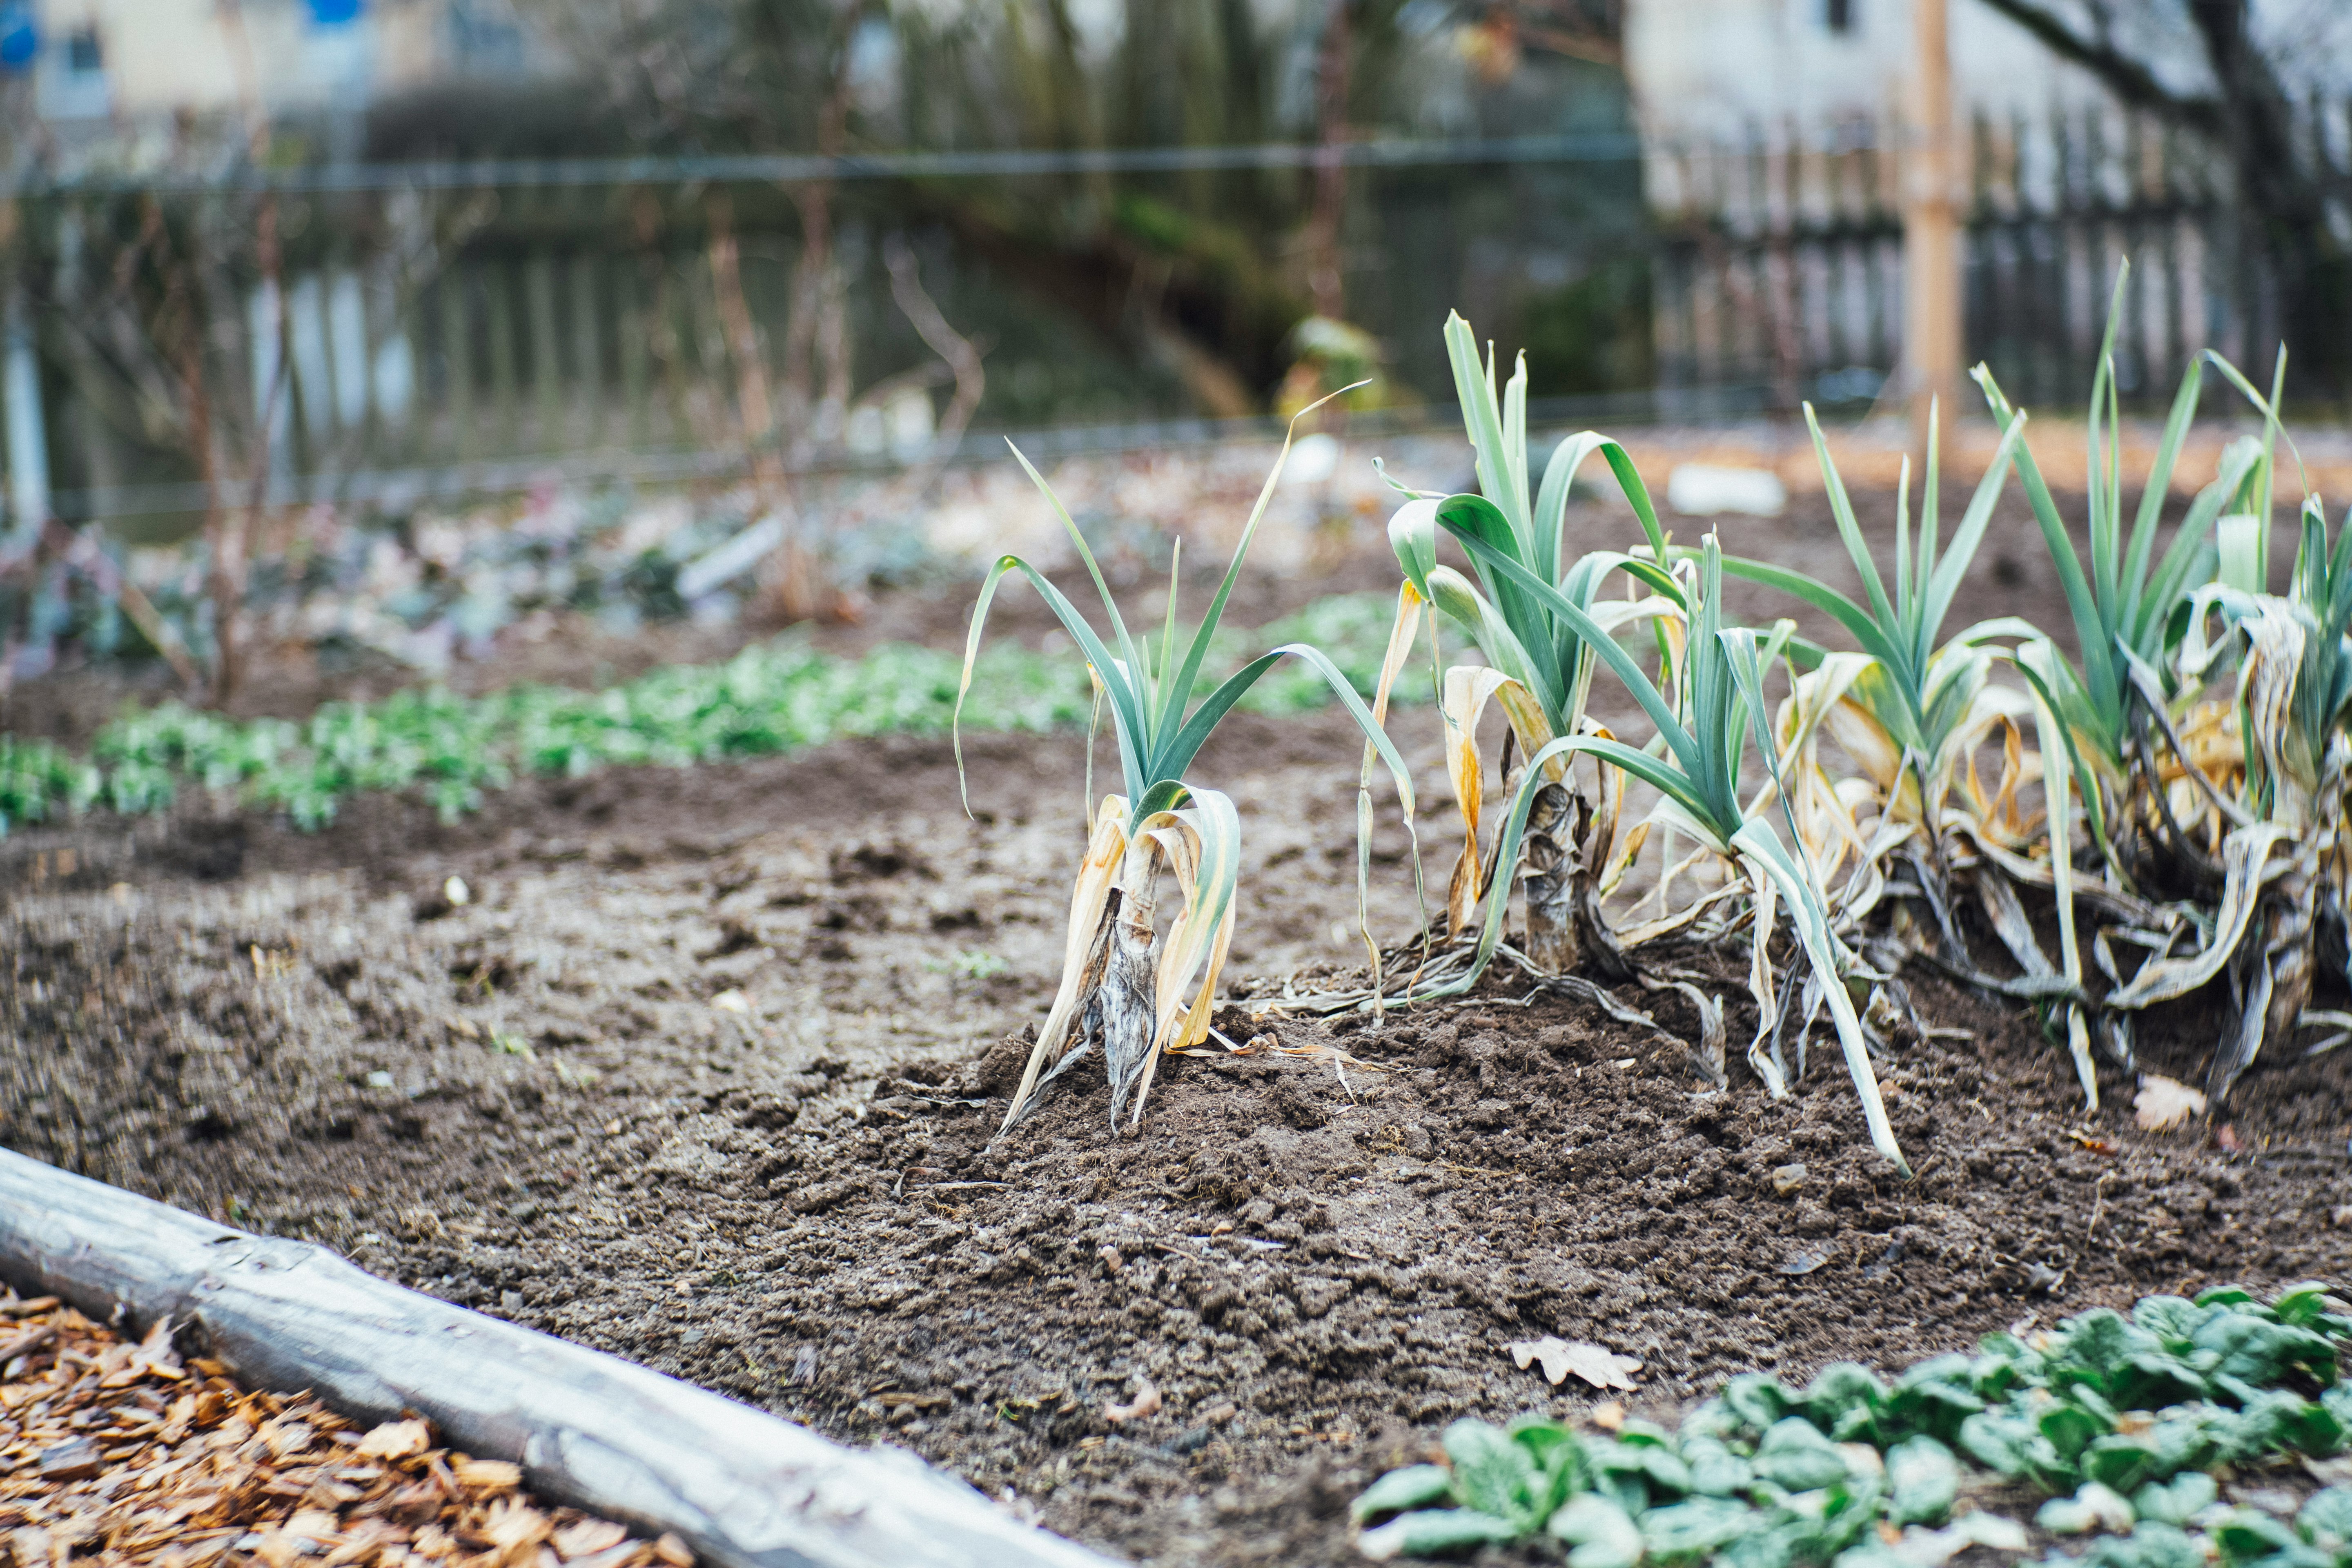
(704, 1073)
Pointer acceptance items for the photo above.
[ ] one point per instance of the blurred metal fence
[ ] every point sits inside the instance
(208, 338)
(396, 333)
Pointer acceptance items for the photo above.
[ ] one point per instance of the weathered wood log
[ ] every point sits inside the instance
(742, 1487)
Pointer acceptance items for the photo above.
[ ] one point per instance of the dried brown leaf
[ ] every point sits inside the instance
(287, 1437)
(1600, 1367)
(485, 1474)
(315, 1523)
(2164, 1103)
(1147, 1403)
(513, 1523)
(629, 1554)
(586, 1536)
(396, 1440)
(278, 1548)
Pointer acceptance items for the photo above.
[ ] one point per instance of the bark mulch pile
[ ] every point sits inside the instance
(123, 1453)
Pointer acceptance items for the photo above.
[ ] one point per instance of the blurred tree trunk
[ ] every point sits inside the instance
(2249, 118)
(1326, 280)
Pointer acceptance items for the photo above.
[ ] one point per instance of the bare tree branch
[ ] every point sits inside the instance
(2127, 79)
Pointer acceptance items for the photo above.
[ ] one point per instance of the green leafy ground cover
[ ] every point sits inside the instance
(769, 699)
(2123, 1420)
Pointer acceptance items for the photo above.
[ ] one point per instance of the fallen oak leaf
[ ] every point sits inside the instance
(2164, 1103)
(1600, 1367)
(396, 1440)
(1147, 1403)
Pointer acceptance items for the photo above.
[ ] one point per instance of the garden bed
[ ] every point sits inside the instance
(703, 1068)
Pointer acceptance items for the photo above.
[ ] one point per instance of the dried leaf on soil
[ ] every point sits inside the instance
(396, 1440)
(2164, 1103)
(1147, 1403)
(1600, 1368)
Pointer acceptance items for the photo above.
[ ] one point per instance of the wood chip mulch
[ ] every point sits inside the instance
(112, 1452)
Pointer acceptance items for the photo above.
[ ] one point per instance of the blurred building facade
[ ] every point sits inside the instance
(1707, 71)
(1775, 137)
(99, 66)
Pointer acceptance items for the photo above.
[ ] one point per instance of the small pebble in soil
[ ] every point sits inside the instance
(1787, 1179)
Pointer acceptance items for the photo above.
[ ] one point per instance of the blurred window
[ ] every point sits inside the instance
(486, 38)
(73, 85)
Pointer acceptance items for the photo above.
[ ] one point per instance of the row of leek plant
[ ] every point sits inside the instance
(2198, 734)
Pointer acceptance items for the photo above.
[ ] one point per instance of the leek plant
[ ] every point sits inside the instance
(2251, 789)
(2126, 602)
(1908, 709)
(2127, 731)
(1539, 666)
(1536, 614)
(2295, 685)
(2202, 724)
(1137, 989)
(1703, 732)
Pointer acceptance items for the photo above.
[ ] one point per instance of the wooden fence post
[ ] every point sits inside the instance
(1931, 251)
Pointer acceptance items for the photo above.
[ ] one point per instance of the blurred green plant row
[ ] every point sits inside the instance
(2118, 1420)
(770, 699)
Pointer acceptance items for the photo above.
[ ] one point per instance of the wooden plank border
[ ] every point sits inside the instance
(744, 1488)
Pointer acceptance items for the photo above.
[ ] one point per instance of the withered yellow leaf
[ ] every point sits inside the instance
(1600, 1367)
(2163, 1102)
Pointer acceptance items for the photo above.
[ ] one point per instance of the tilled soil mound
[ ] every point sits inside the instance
(1314, 1275)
